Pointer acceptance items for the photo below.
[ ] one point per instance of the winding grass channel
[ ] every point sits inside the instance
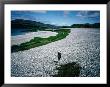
(38, 41)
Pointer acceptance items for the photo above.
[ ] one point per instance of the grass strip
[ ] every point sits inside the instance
(37, 41)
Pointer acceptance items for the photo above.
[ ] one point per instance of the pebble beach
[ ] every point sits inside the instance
(81, 46)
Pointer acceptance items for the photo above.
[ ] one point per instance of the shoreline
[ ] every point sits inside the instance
(18, 39)
(38, 41)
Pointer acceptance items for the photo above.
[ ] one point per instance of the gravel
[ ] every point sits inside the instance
(81, 46)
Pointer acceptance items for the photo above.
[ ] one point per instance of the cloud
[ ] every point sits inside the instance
(38, 11)
(88, 14)
(66, 13)
(26, 14)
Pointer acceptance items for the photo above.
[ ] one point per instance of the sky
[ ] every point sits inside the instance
(59, 18)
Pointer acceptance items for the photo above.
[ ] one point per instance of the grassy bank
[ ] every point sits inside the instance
(68, 70)
(37, 41)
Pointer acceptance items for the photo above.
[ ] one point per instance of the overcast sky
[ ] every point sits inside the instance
(58, 17)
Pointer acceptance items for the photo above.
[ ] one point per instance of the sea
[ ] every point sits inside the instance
(15, 32)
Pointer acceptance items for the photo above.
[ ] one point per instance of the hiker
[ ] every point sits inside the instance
(59, 56)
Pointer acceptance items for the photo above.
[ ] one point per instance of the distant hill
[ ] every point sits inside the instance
(34, 25)
(29, 24)
(86, 25)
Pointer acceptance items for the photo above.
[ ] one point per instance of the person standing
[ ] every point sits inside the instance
(59, 56)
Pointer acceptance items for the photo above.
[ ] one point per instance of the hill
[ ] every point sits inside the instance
(86, 25)
(29, 24)
(34, 25)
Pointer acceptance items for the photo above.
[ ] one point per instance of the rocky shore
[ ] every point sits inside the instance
(81, 46)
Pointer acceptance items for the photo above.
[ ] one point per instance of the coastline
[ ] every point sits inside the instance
(18, 39)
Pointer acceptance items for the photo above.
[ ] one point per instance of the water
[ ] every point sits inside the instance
(81, 46)
(19, 37)
(15, 32)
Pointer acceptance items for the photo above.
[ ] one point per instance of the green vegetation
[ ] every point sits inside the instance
(68, 70)
(37, 41)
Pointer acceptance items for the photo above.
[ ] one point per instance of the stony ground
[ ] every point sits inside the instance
(81, 46)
